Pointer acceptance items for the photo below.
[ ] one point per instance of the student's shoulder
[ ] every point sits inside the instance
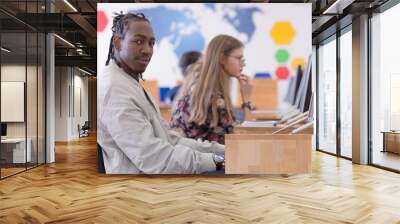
(111, 77)
(114, 83)
(110, 73)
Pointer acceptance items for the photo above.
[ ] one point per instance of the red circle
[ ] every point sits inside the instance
(102, 21)
(282, 73)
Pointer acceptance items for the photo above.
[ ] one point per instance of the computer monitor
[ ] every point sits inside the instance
(299, 77)
(302, 92)
(305, 101)
(3, 129)
(311, 108)
(290, 90)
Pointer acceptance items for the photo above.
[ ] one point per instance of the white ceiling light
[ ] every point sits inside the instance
(338, 6)
(65, 41)
(70, 5)
(86, 72)
(5, 50)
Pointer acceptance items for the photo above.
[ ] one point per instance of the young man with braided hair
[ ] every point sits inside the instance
(134, 137)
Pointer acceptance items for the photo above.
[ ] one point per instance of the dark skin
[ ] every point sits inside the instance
(134, 51)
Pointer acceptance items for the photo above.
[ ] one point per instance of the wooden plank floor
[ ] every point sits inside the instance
(70, 191)
(10, 171)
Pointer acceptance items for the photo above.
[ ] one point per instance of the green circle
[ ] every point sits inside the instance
(282, 56)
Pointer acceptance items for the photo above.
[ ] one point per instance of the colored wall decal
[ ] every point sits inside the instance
(282, 73)
(298, 61)
(282, 33)
(263, 75)
(102, 21)
(282, 56)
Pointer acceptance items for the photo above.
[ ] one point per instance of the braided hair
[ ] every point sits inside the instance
(120, 26)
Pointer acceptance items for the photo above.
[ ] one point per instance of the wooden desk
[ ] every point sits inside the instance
(151, 87)
(13, 150)
(391, 141)
(166, 112)
(267, 154)
(264, 94)
(266, 116)
(255, 130)
(269, 130)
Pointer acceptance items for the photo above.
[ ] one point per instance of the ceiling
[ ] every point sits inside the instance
(76, 23)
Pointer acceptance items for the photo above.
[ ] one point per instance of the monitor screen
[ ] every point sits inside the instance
(299, 77)
(302, 92)
(311, 108)
(290, 90)
(3, 129)
(305, 101)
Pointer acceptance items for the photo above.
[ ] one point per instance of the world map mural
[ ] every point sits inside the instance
(276, 36)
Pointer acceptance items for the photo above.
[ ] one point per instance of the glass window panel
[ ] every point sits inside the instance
(41, 99)
(346, 94)
(327, 97)
(31, 97)
(14, 146)
(22, 61)
(385, 89)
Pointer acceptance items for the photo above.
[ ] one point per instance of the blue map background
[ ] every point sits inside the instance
(164, 19)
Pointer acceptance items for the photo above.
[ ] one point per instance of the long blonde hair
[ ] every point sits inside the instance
(213, 81)
(192, 76)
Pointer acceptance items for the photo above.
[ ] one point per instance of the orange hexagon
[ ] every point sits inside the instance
(298, 61)
(282, 33)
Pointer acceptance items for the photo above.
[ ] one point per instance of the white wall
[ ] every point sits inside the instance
(33, 126)
(82, 82)
(12, 73)
(79, 117)
(61, 103)
(67, 115)
(17, 73)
